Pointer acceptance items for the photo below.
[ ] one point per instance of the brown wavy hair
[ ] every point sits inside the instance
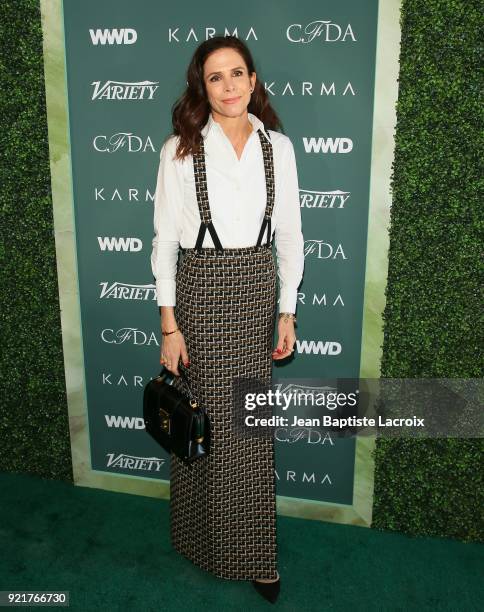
(191, 111)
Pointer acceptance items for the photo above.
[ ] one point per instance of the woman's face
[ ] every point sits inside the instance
(228, 82)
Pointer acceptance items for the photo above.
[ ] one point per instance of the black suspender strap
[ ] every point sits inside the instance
(202, 200)
(201, 236)
(266, 222)
(202, 195)
(269, 175)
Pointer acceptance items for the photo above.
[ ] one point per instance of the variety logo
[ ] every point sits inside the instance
(113, 36)
(305, 88)
(131, 462)
(319, 347)
(323, 250)
(112, 243)
(124, 422)
(124, 90)
(126, 291)
(190, 35)
(323, 199)
(327, 145)
(320, 28)
(321, 300)
(132, 335)
(122, 140)
(132, 194)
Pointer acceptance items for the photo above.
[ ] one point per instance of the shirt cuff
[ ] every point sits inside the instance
(288, 300)
(166, 292)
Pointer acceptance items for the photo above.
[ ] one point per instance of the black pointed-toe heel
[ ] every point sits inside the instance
(268, 590)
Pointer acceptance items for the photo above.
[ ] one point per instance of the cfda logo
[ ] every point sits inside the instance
(323, 250)
(324, 29)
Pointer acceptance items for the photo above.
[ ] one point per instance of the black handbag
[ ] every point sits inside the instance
(176, 421)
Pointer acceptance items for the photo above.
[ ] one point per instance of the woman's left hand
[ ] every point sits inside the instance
(286, 340)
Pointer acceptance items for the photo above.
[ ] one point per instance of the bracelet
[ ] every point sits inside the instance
(165, 333)
(287, 316)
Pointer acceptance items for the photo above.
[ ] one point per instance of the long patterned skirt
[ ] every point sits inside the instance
(223, 507)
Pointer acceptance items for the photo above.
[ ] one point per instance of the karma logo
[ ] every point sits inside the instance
(130, 194)
(313, 478)
(191, 34)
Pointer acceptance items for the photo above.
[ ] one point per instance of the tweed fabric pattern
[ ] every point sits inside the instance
(223, 507)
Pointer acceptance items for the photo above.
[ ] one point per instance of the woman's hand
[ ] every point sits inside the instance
(287, 339)
(173, 345)
(172, 348)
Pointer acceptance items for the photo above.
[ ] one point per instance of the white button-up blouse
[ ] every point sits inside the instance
(237, 198)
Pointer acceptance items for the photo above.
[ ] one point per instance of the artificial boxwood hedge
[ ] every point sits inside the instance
(34, 430)
(432, 314)
(433, 310)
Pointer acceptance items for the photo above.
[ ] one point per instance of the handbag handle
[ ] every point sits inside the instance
(184, 378)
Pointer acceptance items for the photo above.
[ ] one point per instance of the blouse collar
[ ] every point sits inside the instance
(214, 125)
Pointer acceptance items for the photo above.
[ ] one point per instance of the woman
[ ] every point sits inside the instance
(226, 170)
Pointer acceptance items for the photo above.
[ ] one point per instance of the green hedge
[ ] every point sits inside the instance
(431, 320)
(34, 430)
(432, 312)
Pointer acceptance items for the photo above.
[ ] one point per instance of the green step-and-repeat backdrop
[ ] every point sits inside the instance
(113, 70)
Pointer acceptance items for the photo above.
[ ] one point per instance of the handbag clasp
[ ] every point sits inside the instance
(165, 421)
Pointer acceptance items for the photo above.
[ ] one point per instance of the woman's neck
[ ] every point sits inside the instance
(236, 129)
